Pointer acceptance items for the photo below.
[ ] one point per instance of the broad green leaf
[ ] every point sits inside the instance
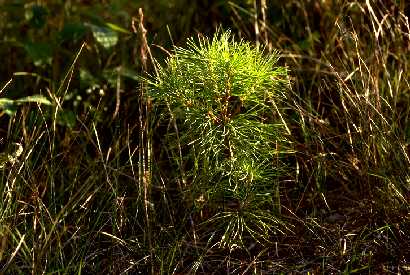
(72, 32)
(117, 28)
(34, 98)
(86, 78)
(8, 106)
(5, 102)
(40, 53)
(105, 36)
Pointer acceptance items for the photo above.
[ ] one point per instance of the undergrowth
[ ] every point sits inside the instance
(286, 154)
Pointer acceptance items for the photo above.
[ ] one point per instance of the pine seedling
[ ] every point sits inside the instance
(224, 100)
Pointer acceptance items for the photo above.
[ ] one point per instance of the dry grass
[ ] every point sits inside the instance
(106, 196)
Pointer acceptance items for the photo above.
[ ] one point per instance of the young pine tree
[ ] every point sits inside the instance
(223, 98)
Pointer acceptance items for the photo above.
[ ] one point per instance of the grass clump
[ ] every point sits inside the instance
(224, 101)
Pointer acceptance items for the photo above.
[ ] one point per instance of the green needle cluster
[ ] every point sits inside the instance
(224, 98)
